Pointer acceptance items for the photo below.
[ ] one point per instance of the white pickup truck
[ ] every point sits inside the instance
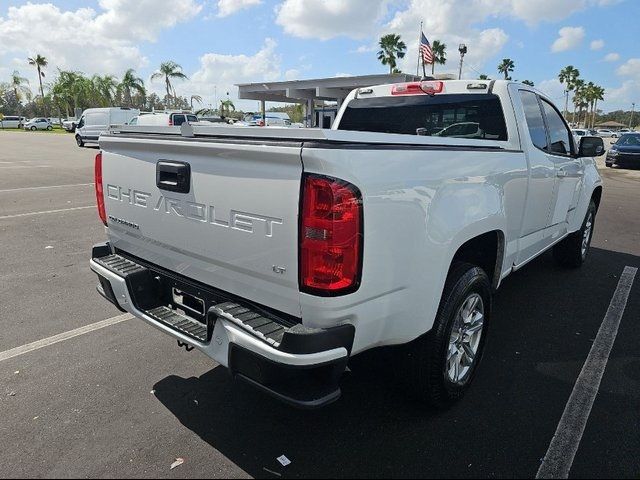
(282, 254)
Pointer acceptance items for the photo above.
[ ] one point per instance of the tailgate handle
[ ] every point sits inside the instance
(173, 176)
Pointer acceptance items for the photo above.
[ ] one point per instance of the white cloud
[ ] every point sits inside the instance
(620, 98)
(330, 18)
(142, 19)
(292, 74)
(365, 49)
(553, 89)
(533, 12)
(229, 7)
(570, 37)
(440, 19)
(597, 44)
(224, 71)
(105, 42)
(630, 68)
(612, 57)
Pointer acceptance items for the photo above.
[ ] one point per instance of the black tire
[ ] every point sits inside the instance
(426, 358)
(79, 141)
(572, 252)
(49, 128)
(33, 129)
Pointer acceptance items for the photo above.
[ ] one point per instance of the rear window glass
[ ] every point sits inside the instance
(477, 116)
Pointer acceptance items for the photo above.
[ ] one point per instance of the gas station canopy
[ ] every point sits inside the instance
(301, 91)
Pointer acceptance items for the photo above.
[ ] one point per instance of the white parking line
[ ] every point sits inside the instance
(7, 167)
(29, 214)
(565, 442)
(61, 337)
(44, 188)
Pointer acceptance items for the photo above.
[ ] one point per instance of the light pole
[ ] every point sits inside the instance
(633, 108)
(462, 48)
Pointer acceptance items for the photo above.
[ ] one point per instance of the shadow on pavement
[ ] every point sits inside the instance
(545, 319)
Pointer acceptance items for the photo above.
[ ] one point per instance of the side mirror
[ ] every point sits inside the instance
(591, 147)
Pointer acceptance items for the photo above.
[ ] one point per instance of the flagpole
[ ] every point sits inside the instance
(419, 54)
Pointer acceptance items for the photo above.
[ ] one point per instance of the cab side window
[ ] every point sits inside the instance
(535, 121)
(559, 135)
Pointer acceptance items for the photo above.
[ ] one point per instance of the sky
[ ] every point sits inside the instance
(220, 43)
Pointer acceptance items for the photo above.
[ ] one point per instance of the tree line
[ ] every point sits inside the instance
(72, 90)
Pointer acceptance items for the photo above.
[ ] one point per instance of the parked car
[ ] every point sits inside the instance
(55, 120)
(12, 121)
(606, 133)
(95, 121)
(625, 152)
(171, 119)
(282, 255)
(210, 119)
(462, 130)
(580, 132)
(38, 124)
(70, 124)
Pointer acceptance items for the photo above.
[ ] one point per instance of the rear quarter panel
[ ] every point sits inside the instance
(420, 206)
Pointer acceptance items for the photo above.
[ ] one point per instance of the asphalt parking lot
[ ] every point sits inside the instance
(124, 401)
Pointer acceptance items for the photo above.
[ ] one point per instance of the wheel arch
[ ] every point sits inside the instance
(596, 196)
(485, 250)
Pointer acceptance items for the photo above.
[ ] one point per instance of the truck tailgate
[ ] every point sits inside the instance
(235, 228)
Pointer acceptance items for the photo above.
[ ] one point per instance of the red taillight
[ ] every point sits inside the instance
(99, 188)
(330, 236)
(417, 88)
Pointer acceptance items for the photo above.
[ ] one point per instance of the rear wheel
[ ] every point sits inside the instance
(442, 363)
(33, 129)
(573, 250)
(79, 141)
(49, 128)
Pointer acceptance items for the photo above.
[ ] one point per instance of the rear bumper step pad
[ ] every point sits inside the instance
(151, 289)
(284, 334)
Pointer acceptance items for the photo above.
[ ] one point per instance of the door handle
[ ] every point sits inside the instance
(173, 176)
(562, 173)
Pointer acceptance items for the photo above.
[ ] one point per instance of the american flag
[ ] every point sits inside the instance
(425, 49)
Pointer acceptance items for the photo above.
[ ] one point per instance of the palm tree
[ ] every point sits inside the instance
(528, 82)
(131, 83)
(598, 94)
(105, 89)
(483, 77)
(391, 48)
(506, 67)
(226, 106)
(17, 84)
(589, 98)
(40, 63)
(197, 98)
(578, 96)
(439, 54)
(568, 75)
(169, 70)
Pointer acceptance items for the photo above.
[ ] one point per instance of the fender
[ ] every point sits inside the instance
(592, 181)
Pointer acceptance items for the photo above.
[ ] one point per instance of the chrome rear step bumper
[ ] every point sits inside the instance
(271, 351)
